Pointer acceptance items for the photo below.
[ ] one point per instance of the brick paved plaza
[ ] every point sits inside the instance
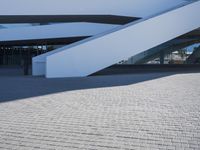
(152, 111)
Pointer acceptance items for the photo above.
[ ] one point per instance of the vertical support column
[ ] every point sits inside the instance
(26, 61)
(4, 55)
(1, 56)
(162, 57)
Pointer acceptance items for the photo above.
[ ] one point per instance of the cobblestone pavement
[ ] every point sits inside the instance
(162, 113)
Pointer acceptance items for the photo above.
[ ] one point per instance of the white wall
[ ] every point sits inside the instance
(90, 56)
(62, 30)
(137, 8)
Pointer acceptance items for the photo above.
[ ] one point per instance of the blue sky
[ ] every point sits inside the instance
(190, 48)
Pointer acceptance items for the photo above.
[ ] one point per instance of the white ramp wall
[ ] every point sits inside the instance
(98, 53)
(59, 31)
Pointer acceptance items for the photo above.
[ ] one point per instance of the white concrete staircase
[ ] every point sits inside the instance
(96, 53)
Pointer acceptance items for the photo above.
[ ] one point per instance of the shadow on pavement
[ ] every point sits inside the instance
(20, 87)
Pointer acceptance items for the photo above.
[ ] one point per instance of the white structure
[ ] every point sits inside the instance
(116, 30)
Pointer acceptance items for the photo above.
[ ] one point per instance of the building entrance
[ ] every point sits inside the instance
(19, 57)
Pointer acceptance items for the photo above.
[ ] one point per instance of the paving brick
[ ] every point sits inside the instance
(144, 111)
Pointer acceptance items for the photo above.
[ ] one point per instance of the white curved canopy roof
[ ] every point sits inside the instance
(53, 31)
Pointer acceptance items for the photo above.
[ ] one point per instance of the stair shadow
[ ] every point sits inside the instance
(21, 87)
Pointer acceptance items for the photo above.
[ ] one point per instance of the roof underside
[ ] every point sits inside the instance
(24, 11)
